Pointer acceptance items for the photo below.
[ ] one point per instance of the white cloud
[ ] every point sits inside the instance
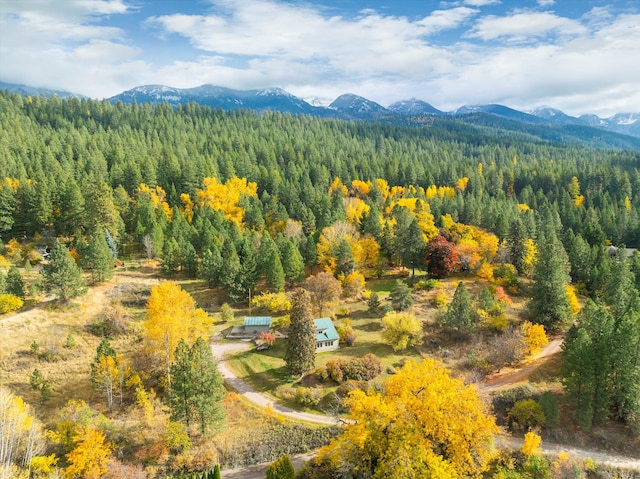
(522, 59)
(521, 26)
(445, 19)
(60, 45)
(481, 3)
(546, 3)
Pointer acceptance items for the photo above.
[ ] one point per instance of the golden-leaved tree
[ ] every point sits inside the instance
(171, 316)
(226, 196)
(424, 423)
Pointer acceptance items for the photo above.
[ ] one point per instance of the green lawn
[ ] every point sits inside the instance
(266, 370)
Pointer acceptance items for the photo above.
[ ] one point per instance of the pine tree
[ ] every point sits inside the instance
(411, 246)
(549, 304)
(460, 317)
(301, 345)
(345, 263)
(171, 257)
(247, 254)
(62, 276)
(211, 266)
(98, 258)
(7, 206)
(275, 272)
(181, 393)
(586, 370)
(373, 303)
(292, 263)
(72, 209)
(400, 295)
(208, 386)
(189, 260)
(197, 386)
(516, 244)
(14, 284)
(230, 272)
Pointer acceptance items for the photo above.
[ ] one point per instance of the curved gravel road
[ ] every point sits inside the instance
(221, 350)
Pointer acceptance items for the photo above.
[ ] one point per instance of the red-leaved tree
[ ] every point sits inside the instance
(441, 257)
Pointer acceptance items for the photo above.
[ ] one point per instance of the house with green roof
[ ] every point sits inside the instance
(327, 338)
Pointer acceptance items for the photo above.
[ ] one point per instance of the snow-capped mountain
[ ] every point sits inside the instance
(414, 107)
(498, 110)
(625, 123)
(553, 115)
(358, 107)
(215, 96)
(26, 90)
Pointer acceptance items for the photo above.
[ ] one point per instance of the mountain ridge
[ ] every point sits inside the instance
(350, 106)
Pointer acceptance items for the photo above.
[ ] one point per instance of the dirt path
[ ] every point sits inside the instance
(604, 458)
(221, 350)
(505, 378)
(509, 376)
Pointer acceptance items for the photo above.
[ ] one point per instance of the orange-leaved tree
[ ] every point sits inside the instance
(424, 423)
(171, 316)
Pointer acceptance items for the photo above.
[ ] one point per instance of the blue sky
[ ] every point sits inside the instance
(581, 56)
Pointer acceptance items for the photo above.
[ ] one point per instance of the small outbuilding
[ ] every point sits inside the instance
(254, 325)
(327, 337)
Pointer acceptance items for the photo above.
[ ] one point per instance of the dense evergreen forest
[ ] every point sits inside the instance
(65, 153)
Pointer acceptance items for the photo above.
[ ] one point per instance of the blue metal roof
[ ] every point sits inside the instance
(326, 330)
(257, 320)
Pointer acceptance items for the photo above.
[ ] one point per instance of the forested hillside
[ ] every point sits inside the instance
(57, 154)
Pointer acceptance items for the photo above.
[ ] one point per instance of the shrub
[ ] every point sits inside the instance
(274, 302)
(285, 392)
(345, 388)
(267, 338)
(334, 370)
(308, 396)
(440, 300)
(347, 335)
(359, 369)
(281, 468)
(226, 313)
(372, 366)
(350, 338)
(527, 414)
(322, 374)
(10, 302)
(427, 285)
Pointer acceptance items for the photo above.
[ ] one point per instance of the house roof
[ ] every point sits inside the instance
(326, 330)
(257, 320)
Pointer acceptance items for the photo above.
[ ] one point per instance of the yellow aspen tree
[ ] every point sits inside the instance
(171, 316)
(531, 445)
(90, 456)
(424, 423)
(573, 299)
(534, 336)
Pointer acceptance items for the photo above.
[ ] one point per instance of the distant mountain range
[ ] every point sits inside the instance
(545, 123)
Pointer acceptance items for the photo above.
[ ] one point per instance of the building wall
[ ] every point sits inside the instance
(256, 329)
(326, 346)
